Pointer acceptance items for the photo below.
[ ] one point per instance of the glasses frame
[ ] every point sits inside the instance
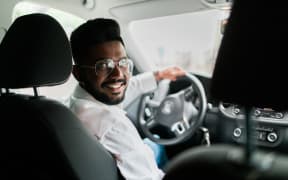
(115, 63)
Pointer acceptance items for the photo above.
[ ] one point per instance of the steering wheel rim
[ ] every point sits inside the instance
(193, 124)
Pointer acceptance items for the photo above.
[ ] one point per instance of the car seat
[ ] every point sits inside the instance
(41, 138)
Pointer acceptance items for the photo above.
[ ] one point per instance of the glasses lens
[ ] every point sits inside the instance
(126, 65)
(104, 67)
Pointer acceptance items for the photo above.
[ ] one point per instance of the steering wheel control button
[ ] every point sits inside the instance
(147, 112)
(237, 132)
(261, 135)
(272, 137)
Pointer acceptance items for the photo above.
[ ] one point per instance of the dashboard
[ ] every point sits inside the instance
(269, 127)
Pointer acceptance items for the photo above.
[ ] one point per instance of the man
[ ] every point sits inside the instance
(103, 71)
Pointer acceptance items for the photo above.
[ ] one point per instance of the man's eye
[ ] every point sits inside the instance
(110, 64)
(102, 66)
(123, 62)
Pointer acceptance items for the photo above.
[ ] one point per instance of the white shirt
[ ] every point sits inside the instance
(110, 125)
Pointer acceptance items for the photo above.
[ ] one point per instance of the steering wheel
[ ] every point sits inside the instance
(176, 112)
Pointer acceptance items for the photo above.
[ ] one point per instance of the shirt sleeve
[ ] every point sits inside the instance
(138, 85)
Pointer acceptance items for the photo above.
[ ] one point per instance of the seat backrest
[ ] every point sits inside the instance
(42, 138)
(226, 162)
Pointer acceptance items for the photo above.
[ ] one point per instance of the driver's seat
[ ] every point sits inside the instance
(41, 138)
(251, 72)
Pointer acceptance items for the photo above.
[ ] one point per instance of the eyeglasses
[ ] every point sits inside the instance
(106, 66)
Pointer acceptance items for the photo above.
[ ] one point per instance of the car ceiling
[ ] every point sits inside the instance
(126, 9)
(123, 10)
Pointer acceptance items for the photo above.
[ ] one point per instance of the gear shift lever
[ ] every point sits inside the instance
(206, 136)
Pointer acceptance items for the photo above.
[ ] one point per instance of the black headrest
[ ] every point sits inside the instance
(34, 52)
(250, 67)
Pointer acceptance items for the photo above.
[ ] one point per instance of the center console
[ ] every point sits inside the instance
(269, 126)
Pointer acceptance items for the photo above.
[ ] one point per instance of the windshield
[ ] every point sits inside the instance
(189, 40)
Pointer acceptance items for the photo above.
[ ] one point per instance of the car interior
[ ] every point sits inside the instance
(227, 117)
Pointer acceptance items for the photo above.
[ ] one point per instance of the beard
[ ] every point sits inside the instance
(104, 98)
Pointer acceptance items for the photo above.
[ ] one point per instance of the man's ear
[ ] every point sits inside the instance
(76, 72)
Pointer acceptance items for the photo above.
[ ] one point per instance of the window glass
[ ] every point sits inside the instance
(189, 40)
(69, 22)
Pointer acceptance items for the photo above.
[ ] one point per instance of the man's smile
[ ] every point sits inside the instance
(115, 86)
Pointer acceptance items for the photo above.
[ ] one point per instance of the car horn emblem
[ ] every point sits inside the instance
(167, 107)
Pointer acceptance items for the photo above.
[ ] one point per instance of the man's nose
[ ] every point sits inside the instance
(116, 72)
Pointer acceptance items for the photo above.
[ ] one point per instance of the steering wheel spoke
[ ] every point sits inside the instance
(150, 123)
(179, 128)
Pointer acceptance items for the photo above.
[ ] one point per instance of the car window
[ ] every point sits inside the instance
(69, 22)
(189, 40)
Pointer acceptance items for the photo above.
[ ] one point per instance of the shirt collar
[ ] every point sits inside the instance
(81, 93)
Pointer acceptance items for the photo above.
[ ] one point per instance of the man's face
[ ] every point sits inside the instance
(108, 88)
